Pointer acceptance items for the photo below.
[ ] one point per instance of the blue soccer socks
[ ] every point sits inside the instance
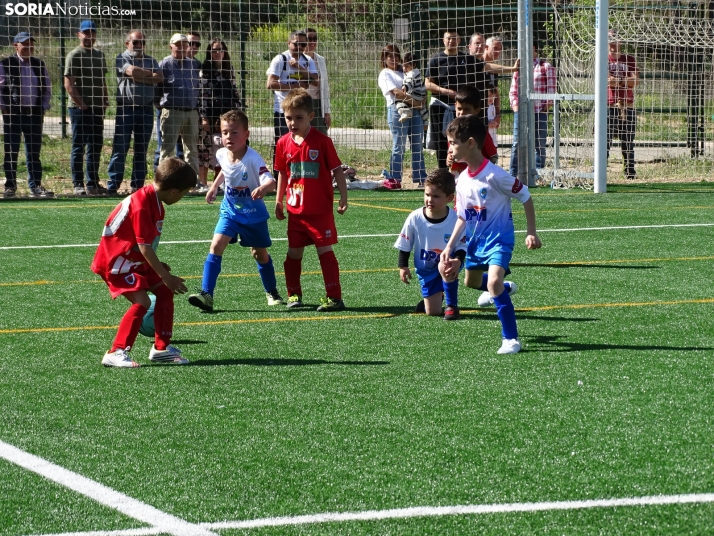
(451, 293)
(267, 275)
(211, 271)
(507, 315)
(484, 282)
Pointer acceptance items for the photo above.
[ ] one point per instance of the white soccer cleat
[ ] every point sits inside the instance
(171, 355)
(119, 358)
(510, 346)
(486, 300)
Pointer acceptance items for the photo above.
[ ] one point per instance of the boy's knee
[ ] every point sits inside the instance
(260, 254)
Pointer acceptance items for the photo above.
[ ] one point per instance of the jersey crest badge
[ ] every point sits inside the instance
(245, 176)
(130, 279)
(446, 238)
(160, 225)
(313, 154)
(483, 193)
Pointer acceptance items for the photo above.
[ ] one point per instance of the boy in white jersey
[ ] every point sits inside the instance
(243, 210)
(483, 206)
(426, 232)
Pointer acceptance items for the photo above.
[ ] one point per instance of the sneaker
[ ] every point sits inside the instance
(294, 300)
(392, 184)
(41, 192)
(203, 301)
(331, 304)
(119, 358)
(420, 307)
(79, 190)
(274, 298)
(97, 190)
(510, 346)
(9, 193)
(200, 189)
(451, 313)
(486, 300)
(112, 192)
(171, 355)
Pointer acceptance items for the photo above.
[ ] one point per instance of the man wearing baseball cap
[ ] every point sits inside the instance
(85, 81)
(179, 101)
(25, 92)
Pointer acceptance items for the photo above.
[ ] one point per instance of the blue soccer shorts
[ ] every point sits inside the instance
(499, 255)
(254, 235)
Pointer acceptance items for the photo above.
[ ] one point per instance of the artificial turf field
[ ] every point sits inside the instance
(387, 419)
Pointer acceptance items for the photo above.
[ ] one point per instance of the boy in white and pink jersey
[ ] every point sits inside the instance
(483, 206)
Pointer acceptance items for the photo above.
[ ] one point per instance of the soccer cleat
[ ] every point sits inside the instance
(294, 300)
(119, 358)
(79, 190)
(171, 355)
(9, 193)
(41, 192)
(510, 346)
(203, 301)
(451, 313)
(420, 307)
(486, 300)
(330, 304)
(274, 298)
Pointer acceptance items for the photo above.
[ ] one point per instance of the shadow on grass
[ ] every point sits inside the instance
(553, 343)
(582, 265)
(281, 362)
(491, 315)
(312, 308)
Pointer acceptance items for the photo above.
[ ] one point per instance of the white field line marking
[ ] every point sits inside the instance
(389, 235)
(126, 532)
(402, 513)
(167, 523)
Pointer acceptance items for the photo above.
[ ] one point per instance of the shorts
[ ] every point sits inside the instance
(254, 235)
(499, 255)
(431, 287)
(304, 231)
(143, 278)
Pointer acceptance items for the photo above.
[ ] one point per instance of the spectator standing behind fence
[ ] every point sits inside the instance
(179, 101)
(477, 45)
(25, 92)
(290, 70)
(85, 81)
(491, 54)
(544, 81)
(622, 78)
(137, 74)
(320, 94)
(217, 94)
(391, 81)
(194, 44)
(446, 73)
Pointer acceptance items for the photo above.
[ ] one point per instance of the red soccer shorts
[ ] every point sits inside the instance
(142, 279)
(307, 230)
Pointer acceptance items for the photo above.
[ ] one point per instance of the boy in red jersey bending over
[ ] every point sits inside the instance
(126, 260)
(305, 160)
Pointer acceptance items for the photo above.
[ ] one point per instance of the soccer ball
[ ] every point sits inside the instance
(147, 325)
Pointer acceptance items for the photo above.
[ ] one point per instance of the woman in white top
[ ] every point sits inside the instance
(390, 82)
(320, 94)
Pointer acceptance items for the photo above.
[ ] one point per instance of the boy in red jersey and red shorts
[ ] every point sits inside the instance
(126, 260)
(305, 160)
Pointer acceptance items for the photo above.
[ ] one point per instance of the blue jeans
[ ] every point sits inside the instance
(414, 129)
(157, 152)
(16, 125)
(140, 121)
(87, 131)
(541, 134)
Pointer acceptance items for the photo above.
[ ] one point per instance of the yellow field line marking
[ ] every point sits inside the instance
(368, 316)
(381, 207)
(377, 270)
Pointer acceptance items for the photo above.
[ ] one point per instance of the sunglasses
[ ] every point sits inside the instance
(194, 44)
(298, 43)
(137, 42)
(312, 39)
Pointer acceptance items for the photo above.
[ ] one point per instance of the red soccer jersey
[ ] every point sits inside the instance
(622, 66)
(308, 166)
(138, 219)
(488, 150)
